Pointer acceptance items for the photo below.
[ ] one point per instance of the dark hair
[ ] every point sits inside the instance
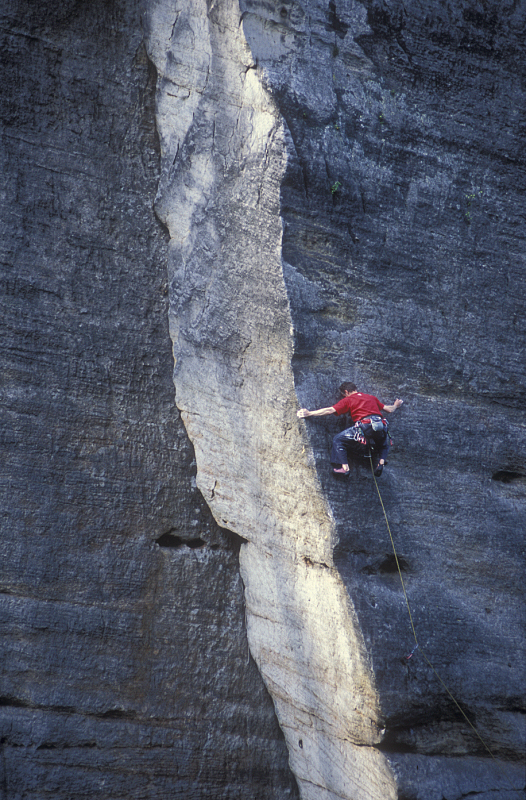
(348, 387)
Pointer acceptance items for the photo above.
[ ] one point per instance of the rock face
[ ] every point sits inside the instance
(340, 186)
(125, 669)
(234, 385)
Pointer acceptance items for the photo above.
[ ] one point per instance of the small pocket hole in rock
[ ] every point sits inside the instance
(170, 540)
(389, 565)
(195, 543)
(509, 475)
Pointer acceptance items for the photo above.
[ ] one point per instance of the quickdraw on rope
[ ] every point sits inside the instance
(411, 653)
(417, 645)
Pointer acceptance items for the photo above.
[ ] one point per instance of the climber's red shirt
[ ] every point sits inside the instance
(359, 405)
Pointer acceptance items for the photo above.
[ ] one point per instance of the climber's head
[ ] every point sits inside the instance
(347, 388)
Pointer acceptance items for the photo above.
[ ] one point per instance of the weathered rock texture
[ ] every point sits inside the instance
(341, 187)
(342, 184)
(124, 670)
(231, 327)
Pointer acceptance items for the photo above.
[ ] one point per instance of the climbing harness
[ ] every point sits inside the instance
(375, 430)
(378, 424)
(417, 645)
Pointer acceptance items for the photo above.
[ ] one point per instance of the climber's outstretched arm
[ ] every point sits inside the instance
(397, 403)
(320, 412)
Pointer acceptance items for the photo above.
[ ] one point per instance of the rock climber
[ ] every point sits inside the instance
(369, 426)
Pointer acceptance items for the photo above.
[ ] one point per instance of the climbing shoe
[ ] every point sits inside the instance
(378, 471)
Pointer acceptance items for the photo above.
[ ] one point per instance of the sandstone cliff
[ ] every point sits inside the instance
(332, 180)
(340, 187)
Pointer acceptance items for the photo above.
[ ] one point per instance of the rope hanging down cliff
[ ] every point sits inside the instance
(417, 644)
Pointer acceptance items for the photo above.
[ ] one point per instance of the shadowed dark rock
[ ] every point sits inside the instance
(125, 669)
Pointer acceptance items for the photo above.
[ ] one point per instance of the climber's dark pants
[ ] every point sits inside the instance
(357, 441)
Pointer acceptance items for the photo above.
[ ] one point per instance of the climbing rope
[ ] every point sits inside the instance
(417, 645)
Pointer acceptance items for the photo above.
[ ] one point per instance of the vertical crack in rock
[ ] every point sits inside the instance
(224, 155)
